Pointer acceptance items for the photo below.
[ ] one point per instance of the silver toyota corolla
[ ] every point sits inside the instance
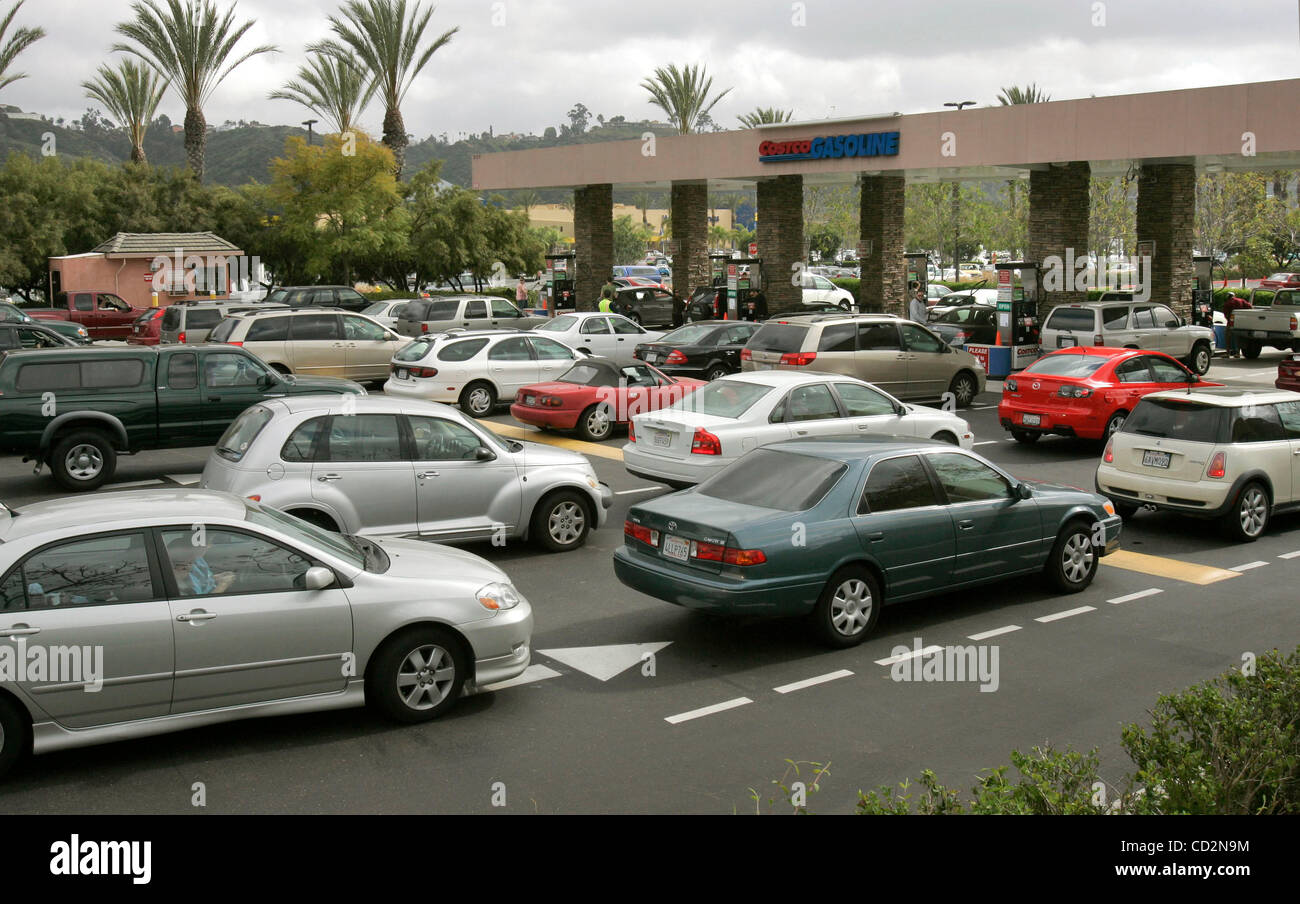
(380, 466)
(157, 610)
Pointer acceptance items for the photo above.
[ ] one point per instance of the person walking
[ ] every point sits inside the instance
(606, 305)
(521, 294)
(1230, 307)
(915, 302)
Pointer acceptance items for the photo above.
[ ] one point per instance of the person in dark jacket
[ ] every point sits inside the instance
(1231, 306)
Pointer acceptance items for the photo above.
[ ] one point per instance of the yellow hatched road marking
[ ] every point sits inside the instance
(537, 436)
(1160, 567)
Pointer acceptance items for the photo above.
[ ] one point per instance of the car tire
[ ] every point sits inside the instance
(83, 460)
(478, 399)
(848, 608)
(1026, 437)
(846, 306)
(635, 318)
(1113, 424)
(945, 437)
(1250, 350)
(963, 388)
(1247, 519)
(417, 675)
(1125, 510)
(596, 423)
(15, 734)
(1199, 360)
(716, 373)
(562, 521)
(1072, 563)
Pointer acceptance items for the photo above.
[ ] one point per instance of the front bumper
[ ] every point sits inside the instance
(502, 644)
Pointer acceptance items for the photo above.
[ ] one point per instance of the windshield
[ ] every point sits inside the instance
(1069, 365)
(341, 546)
(240, 435)
(689, 334)
(775, 480)
(723, 398)
(561, 324)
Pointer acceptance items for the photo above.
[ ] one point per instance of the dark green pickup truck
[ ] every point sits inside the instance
(76, 409)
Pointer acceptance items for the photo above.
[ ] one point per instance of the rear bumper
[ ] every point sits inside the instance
(713, 591)
(1202, 499)
(657, 467)
(541, 417)
(429, 392)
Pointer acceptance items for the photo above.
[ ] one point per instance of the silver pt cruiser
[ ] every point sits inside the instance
(157, 610)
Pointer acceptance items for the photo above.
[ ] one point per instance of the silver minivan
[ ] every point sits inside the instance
(188, 324)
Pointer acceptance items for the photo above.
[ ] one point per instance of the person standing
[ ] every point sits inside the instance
(611, 287)
(915, 303)
(1231, 306)
(521, 294)
(606, 301)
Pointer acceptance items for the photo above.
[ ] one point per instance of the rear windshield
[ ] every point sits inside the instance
(778, 337)
(415, 350)
(1071, 365)
(1173, 419)
(589, 375)
(690, 334)
(776, 480)
(223, 330)
(1069, 319)
(240, 435)
(723, 398)
(560, 324)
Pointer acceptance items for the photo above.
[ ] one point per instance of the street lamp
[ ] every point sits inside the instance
(956, 197)
(309, 123)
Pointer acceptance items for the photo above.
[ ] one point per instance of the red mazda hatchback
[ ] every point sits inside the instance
(1086, 391)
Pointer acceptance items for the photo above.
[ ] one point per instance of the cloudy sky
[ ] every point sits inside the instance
(520, 65)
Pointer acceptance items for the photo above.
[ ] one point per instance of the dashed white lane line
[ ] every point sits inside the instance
(811, 682)
(1249, 565)
(1130, 597)
(985, 635)
(707, 710)
(638, 490)
(1290, 555)
(934, 648)
(1057, 616)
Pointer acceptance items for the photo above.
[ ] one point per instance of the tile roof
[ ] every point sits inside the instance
(166, 243)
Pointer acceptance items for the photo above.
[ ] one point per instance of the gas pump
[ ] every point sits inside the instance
(1017, 317)
(563, 269)
(745, 283)
(917, 272)
(1203, 293)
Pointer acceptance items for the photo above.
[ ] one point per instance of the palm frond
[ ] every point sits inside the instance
(131, 93)
(19, 41)
(683, 95)
(333, 85)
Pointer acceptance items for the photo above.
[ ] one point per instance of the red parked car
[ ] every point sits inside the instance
(596, 394)
(1281, 281)
(1288, 374)
(1086, 391)
(147, 328)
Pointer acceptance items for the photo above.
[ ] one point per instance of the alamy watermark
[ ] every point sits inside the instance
(1082, 273)
(966, 663)
(39, 663)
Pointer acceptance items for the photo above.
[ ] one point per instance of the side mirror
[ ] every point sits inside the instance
(483, 453)
(1024, 491)
(318, 578)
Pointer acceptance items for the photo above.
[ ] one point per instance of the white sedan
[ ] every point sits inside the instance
(692, 440)
(594, 333)
(387, 312)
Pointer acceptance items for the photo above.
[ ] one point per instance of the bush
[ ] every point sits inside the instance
(1230, 745)
(499, 291)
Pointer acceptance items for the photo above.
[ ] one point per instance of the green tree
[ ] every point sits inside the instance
(131, 93)
(19, 41)
(684, 95)
(334, 87)
(1112, 218)
(1229, 212)
(764, 116)
(40, 197)
(392, 46)
(191, 45)
(630, 240)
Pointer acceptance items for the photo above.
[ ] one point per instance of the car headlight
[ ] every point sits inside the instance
(498, 596)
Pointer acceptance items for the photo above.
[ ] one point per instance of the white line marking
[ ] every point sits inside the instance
(529, 675)
(985, 635)
(134, 483)
(1248, 566)
(809, 682)
(1066, 614)
(934, 648)
(1135, 596)
(982, 406)
(1290, 555)
(640, 490)
(185, 480)
(707, 710)
(988, 442)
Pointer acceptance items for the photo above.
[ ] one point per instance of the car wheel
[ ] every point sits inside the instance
(15, 734)
(1125, 510)
(1247, 520)
(596, 423)
(635, 318)
(716, 373)
(1025, 436)
(417, 675)
(83, 460)
(478, 399)
(561, 522)
(848, 608)
(1116, 421)
(846, 306)
(1200, 359)
(1073, 561)
(1250, 350)
(963, 387)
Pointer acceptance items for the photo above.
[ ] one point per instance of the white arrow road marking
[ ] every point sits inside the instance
(530, 674)
(707, 710)
(605, 662)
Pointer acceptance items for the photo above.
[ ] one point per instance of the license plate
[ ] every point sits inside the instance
(1031, 420)
(651, 358)
(1259, 334)
(401, 373)
(1065, 341)
(663, 439)
(759, 365)
(677, 548)
(530, 400)
(1153, 459)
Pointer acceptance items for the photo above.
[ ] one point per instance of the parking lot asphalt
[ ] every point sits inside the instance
(634, 705)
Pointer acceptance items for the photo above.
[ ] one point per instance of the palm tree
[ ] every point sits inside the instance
(527, 199)
(189, 44)
(388, 42)
(1030, 94)
(765, 116)
(19, 41)
(334, 87)
(683, 94)
(642, 202)
(131, 93)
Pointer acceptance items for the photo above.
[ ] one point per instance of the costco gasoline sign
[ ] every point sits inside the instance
(872, 144)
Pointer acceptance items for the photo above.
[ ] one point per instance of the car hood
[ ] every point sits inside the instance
(1047, 488)
(420, 559)
(297, 385)
(537, 455)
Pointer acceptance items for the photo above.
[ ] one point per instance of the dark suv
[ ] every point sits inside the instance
(345, 297)
(77, 409)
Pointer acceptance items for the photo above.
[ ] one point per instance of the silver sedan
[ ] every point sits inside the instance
(158, 610)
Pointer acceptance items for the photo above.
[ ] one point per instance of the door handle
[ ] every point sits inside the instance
(214, 398)
(876, 537)
(20, 630)
(198, 615)
(1296, 452)
(325, 477)
(802, 432)
(426, 474)
(966, 525)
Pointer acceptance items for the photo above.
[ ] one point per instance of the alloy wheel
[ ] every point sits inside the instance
(566, 523)
(1077, 557)
(426, 676)
(851, 607)
(598, 423)
(84, 462)
(1253, 512)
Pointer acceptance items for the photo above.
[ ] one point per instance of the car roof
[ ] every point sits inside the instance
(785, 377)
(858, 447)
(826, 318)
(1102, 351)
(77, 515)
(373, 404)
(1227, 397)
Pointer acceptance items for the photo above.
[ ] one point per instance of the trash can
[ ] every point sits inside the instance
(1220, 336)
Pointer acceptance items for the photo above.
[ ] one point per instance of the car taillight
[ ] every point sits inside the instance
(799, 359)
(727, 555)
(631, 432)
(424, 372)
(1098, 339)
(705, 443)
(641, 532)
(1218, 465)
(676, 357)
(181, 337)
(746, 355)
(1293, 322)
(1074, 392)
(1010, 385)
(1109, 455)
(550, 401)
(424, 328)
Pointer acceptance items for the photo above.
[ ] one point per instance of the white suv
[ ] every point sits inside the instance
(1129, 324)
(1230, 454)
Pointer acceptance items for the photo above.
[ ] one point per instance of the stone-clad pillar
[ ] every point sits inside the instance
(690, 237)
(883, 286)
(780, 242)
(593, 232)
(1166, 215)
(1058, 230)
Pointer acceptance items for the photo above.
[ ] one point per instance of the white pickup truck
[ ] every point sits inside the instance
(1272, 322)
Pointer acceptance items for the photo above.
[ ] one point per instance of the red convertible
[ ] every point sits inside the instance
(596, 394)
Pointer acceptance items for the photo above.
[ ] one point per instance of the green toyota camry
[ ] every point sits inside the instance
(833, 529)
